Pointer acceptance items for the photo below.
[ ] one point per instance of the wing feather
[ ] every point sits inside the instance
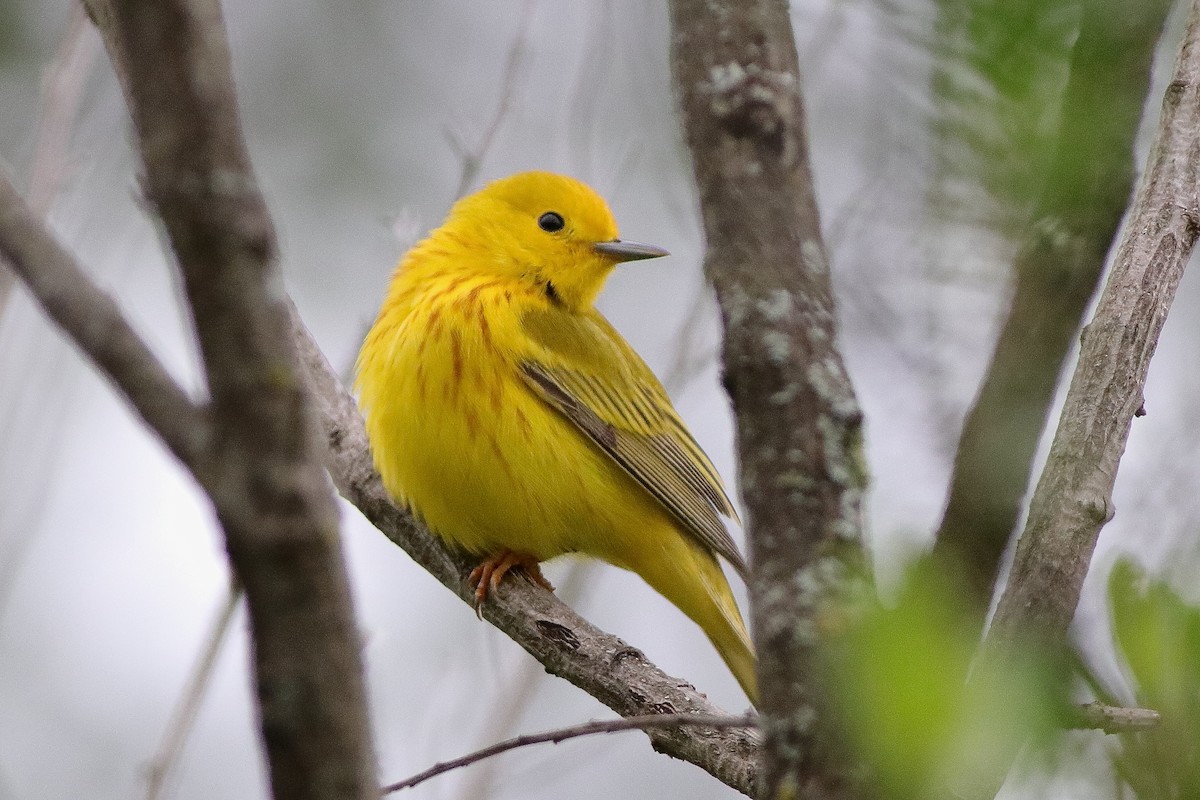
(583, 368)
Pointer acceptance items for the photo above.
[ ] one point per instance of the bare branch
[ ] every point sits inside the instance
(270, 494)
(1087, 189)
(1114, 719)
(1073, 499)
(472, 158)
(91, 319)
(59, 102)
(520, 689)
(799, 426)
(1110, 719)
(573, 732)
(61, 90)
(567, 645)
(184, 716)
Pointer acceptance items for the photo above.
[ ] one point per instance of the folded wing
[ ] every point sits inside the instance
(583, 368)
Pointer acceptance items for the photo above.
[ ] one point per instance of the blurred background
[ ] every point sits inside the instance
(364, 121)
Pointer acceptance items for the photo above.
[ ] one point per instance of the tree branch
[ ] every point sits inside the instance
(1076, 220)
(1114, 719)
(183, 717)
(472, 157)
(267, 486)
(735, 71)
(574, 732)
(1073, 499)
(1110, 719)
(61, 89)
(92, 319)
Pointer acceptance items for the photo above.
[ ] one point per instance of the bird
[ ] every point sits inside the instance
(511, 418)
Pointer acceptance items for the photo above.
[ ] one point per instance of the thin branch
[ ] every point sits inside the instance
(472, 158)
(520, 689)
(799, 426)
(1087, 190)
(568, 646)
(1073, 499)
(92, 319)
(61, 89)
(59, 103)
(1114, 719)
(184, 716)
(585, 729)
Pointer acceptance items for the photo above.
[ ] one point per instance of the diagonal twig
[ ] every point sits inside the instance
(92, 319)
(472, 158)
(61, 90)
(1073, 498)
(183, 718)
(1087, 190)
(574, 732)
(60, 100)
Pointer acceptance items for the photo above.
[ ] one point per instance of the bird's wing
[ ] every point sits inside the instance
(582, 367)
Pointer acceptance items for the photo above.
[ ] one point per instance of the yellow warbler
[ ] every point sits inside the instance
(514, 420)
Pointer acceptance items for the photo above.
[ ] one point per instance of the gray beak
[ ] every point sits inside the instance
(628, 251)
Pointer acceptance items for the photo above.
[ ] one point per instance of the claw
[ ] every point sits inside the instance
(487, 576)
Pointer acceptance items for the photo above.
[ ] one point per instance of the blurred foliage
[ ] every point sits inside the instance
(1000, 70)
(1158, 639)
(928, 732)
(1003, 116)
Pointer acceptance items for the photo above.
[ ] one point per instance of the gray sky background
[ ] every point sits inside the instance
(110, 566)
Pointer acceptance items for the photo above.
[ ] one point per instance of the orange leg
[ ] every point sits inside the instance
(487, 576)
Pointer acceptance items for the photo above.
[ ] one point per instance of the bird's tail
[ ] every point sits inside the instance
(692, 579)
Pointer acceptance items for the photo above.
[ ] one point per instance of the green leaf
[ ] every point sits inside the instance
(925, 731)
(1158, 639)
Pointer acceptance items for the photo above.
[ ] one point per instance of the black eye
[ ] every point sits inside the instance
(551, 222)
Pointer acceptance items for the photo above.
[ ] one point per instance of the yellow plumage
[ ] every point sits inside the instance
(510, 416)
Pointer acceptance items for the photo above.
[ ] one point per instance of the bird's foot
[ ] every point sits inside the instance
(487, 576)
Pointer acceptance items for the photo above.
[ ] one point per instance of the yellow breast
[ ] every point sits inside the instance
(460, 438)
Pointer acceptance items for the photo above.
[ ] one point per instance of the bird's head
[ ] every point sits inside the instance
(549, 231)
